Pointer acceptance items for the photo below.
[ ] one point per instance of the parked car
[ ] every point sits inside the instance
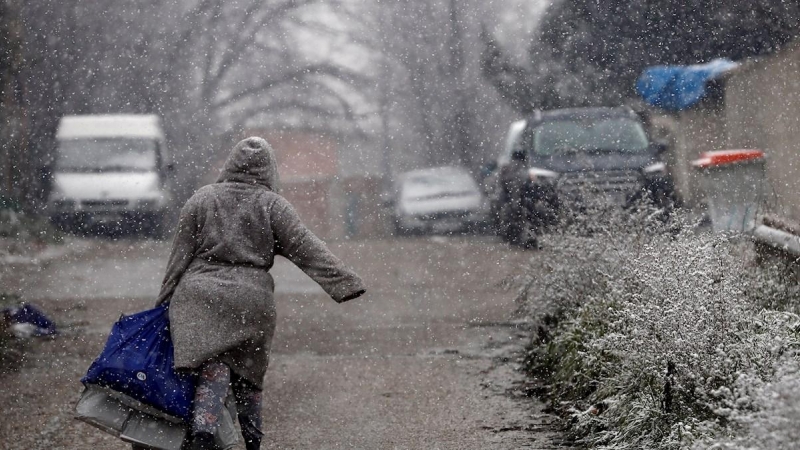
(110, 170)
(554, 158)
(438, 200)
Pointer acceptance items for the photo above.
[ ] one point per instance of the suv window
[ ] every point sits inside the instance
(606, 134)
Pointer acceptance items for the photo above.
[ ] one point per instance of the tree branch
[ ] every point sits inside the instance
(286, 78)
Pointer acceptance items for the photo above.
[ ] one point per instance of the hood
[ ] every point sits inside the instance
(102, 186)
(251, 161)
(580, 162)
(444, 205)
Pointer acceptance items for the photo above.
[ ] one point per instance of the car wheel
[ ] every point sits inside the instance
(519, 229)
(496, 224)
(509, 223)
(528, 238)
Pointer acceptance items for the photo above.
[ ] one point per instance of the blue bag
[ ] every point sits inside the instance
(138, 361)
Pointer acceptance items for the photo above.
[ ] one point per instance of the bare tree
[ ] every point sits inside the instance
(11, 107)
(206, 66)
(440, 111)
(587, 52)
(211, 68)
(230, 61)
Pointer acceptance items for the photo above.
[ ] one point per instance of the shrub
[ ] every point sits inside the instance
(650, 335)
(772, 424)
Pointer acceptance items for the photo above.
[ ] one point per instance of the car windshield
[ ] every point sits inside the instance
(613, 134)
(110, 154)
(418, 186)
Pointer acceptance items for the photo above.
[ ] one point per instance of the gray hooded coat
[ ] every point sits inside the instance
(217, 280)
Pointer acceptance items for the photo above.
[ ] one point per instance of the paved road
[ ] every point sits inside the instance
(413, 365)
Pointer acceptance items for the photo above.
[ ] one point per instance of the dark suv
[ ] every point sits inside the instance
(554, 158)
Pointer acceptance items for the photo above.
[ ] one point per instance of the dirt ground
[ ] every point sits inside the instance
(424, 361)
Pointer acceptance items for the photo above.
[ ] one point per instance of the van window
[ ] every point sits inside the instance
(107, 154)
(601, 134)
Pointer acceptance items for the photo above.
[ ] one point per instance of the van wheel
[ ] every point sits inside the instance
(153, 226)
(400, 230)
(63, 224)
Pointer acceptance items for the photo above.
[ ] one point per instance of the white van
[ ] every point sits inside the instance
(111, 169)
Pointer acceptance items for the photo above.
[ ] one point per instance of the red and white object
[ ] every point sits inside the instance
(733, 182)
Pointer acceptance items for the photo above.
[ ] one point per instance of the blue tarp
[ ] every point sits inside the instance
(676, 88)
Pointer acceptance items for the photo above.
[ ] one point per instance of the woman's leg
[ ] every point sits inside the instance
(209, 401)
(248, 408)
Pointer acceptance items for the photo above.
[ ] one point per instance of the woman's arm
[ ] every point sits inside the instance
(299, 245)
(184, 246)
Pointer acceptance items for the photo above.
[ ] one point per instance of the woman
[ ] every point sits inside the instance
(222, 313)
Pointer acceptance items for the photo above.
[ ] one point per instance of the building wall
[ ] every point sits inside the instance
(311, 199)
(364, 212)
(697, 130)
(335, 208)
(333, 202)
(760, 109)
(304, 155)
(763, 111)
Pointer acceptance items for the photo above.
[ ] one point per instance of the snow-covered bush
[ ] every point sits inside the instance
(772, 422)
(775, 284)
(651, 335)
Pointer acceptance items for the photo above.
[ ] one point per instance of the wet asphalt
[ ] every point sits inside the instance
(424, 361)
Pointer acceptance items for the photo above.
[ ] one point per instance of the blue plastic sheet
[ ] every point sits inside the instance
(138, 360)
(676, 88)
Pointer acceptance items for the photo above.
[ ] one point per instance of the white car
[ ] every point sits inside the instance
(438, 200)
